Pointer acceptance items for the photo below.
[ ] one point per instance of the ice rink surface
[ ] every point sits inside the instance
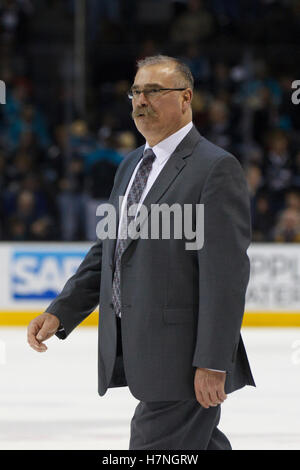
(50, 401)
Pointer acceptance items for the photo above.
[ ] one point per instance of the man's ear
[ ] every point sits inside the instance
(187, 99)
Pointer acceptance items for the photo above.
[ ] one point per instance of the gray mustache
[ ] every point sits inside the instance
(145, 111)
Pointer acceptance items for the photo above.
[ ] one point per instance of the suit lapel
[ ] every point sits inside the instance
(172, 168)
(120, 192)
(125, 180)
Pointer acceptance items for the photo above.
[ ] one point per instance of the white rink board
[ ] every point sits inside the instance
(274, 278)
(32, 274)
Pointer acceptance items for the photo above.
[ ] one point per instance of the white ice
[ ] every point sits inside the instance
(50, 401)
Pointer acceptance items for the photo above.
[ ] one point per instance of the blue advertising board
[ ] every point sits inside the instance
(41, 274)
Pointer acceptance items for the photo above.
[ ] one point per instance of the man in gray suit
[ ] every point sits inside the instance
(169, 317)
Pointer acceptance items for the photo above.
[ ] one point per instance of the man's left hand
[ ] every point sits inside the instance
(209, 387)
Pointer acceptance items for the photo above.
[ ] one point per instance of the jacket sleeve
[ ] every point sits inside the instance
(224, 266)
(80, 295)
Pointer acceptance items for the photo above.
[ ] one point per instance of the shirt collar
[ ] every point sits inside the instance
(167, 146)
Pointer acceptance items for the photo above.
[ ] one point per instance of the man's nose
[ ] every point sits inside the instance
(141, 100)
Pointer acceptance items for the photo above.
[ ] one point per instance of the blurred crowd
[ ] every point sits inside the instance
(58, 163)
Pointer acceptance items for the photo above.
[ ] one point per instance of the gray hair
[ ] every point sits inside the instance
(180, 67)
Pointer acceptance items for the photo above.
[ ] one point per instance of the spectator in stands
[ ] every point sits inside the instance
(219, 127)
(278, 167)
(292, 199)
(101, 169)
(296, 170)
(263, 219)
(13, 20)
(221, 79)
(115, 107)
(29, 121)
(254, 179)
(105, 150)
(28, 223)
(198, 63)
(200, 106)
(21, 164)
(227, 10)
(81, 140)
(16, 97)
(194, 25)
(264, 114)
(3, 171)
(72, 200)
(16, 230)
(125, 143)
(259, 78)
(287, 229)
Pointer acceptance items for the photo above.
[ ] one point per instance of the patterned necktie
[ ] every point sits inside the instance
(134, 196)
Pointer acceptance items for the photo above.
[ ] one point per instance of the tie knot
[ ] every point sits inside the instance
(149, 155)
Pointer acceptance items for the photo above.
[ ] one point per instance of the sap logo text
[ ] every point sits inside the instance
(296, 94)
(41, 275)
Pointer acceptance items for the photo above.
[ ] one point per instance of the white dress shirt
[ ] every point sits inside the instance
(163, 151)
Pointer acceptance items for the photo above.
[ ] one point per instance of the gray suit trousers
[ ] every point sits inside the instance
(170, 425)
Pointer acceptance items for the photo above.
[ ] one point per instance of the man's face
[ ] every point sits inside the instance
(157, 117)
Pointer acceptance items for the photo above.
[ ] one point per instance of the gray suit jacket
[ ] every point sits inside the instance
(181, 309)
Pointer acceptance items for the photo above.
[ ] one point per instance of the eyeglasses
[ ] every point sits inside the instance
(150, 92)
